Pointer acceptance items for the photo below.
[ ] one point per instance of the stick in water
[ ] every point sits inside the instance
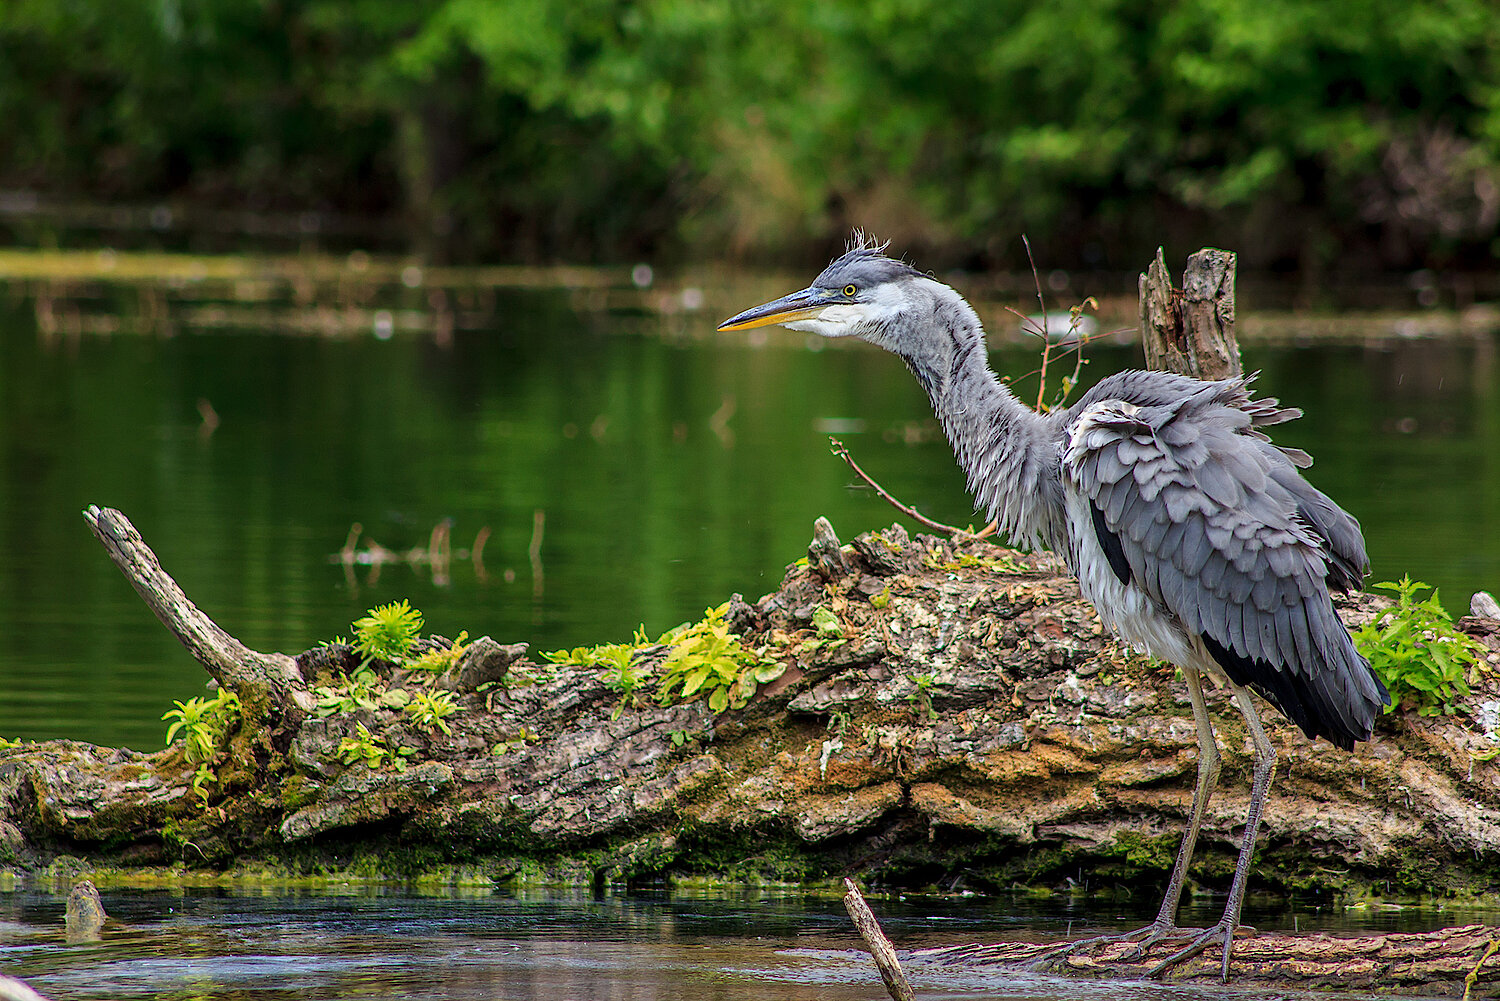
(880, 947)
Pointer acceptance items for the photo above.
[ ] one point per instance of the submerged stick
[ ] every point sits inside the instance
(880, 947)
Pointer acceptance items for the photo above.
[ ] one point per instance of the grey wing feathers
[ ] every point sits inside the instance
(1219, 527)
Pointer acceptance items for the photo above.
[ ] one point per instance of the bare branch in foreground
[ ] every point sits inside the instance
(880, 947)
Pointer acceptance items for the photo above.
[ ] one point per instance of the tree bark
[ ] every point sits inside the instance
(1190, 330)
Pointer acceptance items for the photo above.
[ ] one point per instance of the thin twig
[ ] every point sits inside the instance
(1041, 389)
(1074, 345)
(843, 453)
(880, 947)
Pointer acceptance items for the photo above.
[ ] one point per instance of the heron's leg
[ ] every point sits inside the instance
(1208, 778)
(1165, 925)
(1260, 784)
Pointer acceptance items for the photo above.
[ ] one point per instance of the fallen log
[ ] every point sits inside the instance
(1452, 962)
(946, 714)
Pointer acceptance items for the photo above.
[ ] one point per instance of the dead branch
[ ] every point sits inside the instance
(880, 947)
(230, 662)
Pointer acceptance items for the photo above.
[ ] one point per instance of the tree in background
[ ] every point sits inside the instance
(1308, 135)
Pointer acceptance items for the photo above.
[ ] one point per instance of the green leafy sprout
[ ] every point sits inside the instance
(437, 660)
(348, 696)
(704, 660)
(428, 710)
(921, 696)
(387, 632)
(374, 752)
(202, 723)
(522, 737)
(969, 561)
(1415, 649)
(706, 657)
(617, 664)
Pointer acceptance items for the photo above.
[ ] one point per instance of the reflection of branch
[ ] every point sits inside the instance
(437, 555)
(719, 422)
(843, 453)
(534, 551)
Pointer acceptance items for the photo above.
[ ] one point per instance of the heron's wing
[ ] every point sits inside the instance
(1194, 505)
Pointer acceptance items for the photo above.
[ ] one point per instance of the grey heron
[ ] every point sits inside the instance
(1196, 539)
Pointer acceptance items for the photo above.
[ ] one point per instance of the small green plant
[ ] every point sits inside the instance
(921, 697)
(622, 676)
(523, 737)
(829, 632)
(969, 561)
(437, 660)
(350, 695)
(1415, 649)
(374, 751)
(606, 655)
(387, 632)
(707, 658)
(428, 710)
(616, 663)
(703, 660)
(202, 723)
(202, 776)
(6, 744)
(838, 722)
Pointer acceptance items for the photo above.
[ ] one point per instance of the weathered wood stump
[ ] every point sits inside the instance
(1191, 331)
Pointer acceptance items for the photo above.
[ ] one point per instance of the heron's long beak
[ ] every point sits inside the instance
(802, 305)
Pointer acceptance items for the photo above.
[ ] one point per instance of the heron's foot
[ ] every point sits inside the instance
(1143, 938)
(1221, 934)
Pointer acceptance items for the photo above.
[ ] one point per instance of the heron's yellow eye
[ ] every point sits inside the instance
(850, 290)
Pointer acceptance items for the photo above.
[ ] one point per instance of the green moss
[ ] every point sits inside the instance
(297, 791)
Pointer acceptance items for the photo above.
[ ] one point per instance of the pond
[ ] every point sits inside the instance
(614, 465)
(375, 943)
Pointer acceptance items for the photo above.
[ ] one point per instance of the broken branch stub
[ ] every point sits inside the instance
(232, 664)
(1190, 330)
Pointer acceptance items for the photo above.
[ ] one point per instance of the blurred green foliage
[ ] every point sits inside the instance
(1305, 134)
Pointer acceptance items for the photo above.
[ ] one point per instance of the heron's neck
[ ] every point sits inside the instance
(1008, 451)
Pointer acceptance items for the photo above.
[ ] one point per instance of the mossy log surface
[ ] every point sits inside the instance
(973, 727)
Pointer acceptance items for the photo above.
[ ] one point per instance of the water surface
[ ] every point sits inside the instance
(378, 943)
(653, 469)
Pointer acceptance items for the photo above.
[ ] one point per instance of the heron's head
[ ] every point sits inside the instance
(861, 294)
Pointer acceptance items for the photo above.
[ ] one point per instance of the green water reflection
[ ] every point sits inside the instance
(669, 473)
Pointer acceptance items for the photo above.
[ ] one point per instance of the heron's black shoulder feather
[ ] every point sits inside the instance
(1110, 543)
